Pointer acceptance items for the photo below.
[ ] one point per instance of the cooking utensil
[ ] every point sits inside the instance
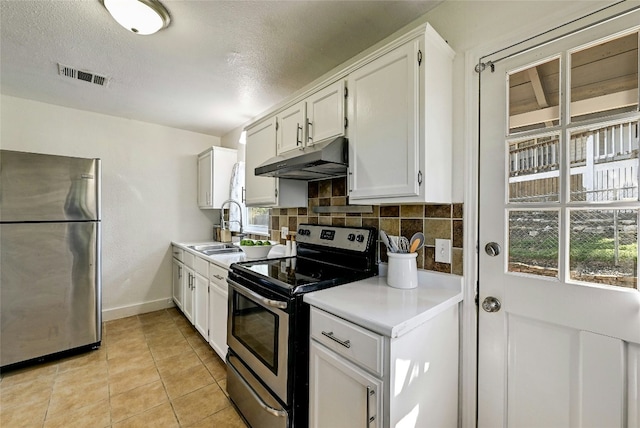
(385, 240)
(403, 243)
(393, 241)
(417, 242)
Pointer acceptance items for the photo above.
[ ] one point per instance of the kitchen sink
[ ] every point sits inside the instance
(212, 249)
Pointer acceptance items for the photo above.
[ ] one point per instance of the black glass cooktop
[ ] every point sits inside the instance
(296, 275)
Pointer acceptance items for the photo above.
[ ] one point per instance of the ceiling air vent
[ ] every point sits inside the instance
(87, 76)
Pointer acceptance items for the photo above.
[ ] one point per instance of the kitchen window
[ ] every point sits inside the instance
(257, 221)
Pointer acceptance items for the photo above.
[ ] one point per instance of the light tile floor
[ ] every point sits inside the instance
(152, 370)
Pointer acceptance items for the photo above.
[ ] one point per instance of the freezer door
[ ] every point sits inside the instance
(49, 288)
(37, 187)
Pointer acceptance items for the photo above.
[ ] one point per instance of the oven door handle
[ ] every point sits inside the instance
(267, 302)
(267, 408)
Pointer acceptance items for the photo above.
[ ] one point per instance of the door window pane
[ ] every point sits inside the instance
(533, 97)
(604, 163)
(534, 169)
(533, 242)
(604, 79)
(604, 247)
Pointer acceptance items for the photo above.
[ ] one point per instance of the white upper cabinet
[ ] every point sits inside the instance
(214, 176)
(383, 133)
(317, 118)
(400, 124)
(291, 124)
(260, 146)
(268, 191)
(325, 113)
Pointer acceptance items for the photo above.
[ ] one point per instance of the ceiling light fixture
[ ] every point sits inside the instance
(139, 16)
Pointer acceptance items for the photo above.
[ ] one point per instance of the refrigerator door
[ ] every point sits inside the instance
(37, 187)
(49, 288)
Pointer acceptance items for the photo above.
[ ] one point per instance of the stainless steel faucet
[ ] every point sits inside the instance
(239, 210)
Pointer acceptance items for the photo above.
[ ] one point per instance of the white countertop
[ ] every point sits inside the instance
(392, 312)
(225, 260)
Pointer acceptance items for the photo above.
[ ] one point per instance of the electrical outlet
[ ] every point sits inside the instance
(283, 232)
(443, 250)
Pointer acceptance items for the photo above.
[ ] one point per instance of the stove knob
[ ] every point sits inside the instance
(300, 231)
(360, 238)
(351, 237)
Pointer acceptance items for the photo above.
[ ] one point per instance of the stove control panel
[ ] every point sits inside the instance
(345, 238)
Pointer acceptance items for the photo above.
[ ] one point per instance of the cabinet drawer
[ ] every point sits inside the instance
(349, 340)
(217, 274)
(202, 267)
(177, 252)
(189, 259)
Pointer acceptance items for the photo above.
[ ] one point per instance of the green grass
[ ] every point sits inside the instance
(586, 248)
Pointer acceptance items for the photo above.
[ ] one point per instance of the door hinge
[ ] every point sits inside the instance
(346, 92)
(276, 193)
(419, 178)
(346, 123)
(277, 125)
(419, 57)
(481, 66)
(477, 300)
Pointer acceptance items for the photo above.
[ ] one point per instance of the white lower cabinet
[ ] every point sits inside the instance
(177, 282)
(200, 290)
(201, 305)
(188, 293)
(341, 393)
(218, 309)
(201, 296)
(359, 378)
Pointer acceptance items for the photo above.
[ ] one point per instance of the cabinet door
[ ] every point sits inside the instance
(223, 161)
(340, 393)
(325, 113)
(291, 124)
(261, 145)
(201, 305)
(218, 309)
(177, 282)
(384, 123)
(188, 294)
(204, 179)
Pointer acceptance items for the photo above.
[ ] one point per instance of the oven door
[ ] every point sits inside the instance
(258, 333)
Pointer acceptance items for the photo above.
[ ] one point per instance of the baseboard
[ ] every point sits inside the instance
(137, 309)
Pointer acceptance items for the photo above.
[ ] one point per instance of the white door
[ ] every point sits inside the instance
(559, 317)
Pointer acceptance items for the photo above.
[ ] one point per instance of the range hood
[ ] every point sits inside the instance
(323, 160)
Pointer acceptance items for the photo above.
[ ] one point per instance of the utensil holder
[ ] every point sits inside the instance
(225, 235)
(402, 271)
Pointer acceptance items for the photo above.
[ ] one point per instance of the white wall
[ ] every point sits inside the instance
(148, 191)
(230, 140)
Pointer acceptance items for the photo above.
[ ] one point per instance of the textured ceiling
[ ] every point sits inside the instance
(217, 65)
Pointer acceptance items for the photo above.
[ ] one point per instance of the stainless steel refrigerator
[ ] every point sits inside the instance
(50, 258)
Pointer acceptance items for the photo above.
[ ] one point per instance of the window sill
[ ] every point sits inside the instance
(260, 231)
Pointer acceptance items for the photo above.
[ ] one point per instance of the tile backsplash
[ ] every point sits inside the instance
(442, 221)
